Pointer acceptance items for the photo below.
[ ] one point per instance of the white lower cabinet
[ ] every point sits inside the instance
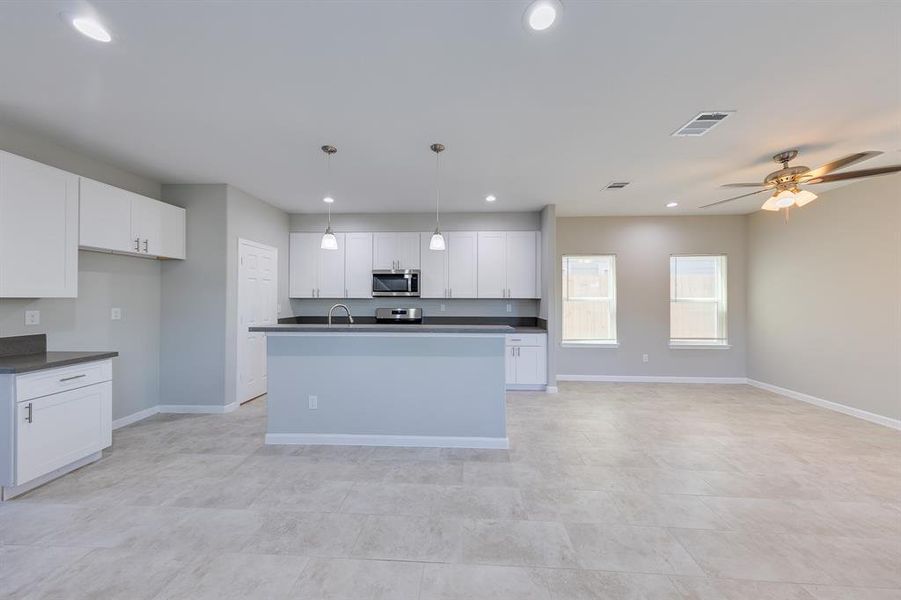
(526, 362)
(56, 418)
(56, 430)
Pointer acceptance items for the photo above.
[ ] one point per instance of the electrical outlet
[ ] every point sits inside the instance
(509, 307)
(443, 308)
(644, 358)
(314, 402)
(32, 317)
(115, 314)
(278, 308)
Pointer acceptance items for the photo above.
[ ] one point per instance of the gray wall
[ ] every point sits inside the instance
(549, 306)
(498, 221)
(642, 246)
(251, 219)
(825, 297)
(104, 281)
(193, 339)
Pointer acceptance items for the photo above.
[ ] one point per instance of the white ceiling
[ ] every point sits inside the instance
(246, 92)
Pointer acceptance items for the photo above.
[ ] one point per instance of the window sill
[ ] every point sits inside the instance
(683, 346)
(589, 344)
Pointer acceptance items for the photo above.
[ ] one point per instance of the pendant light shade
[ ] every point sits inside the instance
(437, 240)
(329, 241)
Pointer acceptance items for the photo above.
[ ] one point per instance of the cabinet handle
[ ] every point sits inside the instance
(145, 246)
(345, 292)
(29, 417)
(64, 379)
(137, 244)
(312, 292)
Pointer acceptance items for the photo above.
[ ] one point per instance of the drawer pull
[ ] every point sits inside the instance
(29, 417)
(64, 379)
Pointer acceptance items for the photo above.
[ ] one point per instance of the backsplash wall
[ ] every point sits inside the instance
(431, 307)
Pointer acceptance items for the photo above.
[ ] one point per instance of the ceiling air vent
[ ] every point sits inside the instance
(702, 123)
(616, 185)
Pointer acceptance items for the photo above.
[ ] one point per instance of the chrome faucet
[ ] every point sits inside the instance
(347, 310)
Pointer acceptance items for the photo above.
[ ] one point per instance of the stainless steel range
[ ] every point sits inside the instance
(398, 315)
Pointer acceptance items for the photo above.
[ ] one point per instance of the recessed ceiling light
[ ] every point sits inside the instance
(541, 14)
(672, 204)
(92, 29)
(490, 198)
(328, 199)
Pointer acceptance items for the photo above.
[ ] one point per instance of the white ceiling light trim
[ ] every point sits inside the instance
(91, 28)
(672, 204)
(329, 241)
(490, 198)
(542, 14)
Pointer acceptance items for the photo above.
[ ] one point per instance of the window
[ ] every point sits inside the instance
(698, 300)
(589, 300)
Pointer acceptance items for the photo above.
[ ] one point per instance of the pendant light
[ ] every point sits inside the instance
(329, 241)
(437, 241)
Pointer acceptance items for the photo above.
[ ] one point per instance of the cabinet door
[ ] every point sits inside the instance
(331, 271)
(172, 231)
(522, 264)
(303, 264)
(104, 217)
(358, 265)
(433, 278)
(531, 365)
(492, 264)
(38, 230)
(56, 430)
(384, 250)
(510, 365)
(462, 264)
(408, 250)
(145, 224)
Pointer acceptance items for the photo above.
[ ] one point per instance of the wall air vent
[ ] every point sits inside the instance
(616, 185)
(702, 123)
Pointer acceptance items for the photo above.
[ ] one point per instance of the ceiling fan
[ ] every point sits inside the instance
(787, 182)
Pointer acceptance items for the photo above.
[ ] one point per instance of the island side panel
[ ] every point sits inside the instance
(400, 385)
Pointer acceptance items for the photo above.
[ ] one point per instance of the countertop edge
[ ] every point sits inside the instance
(42, 362)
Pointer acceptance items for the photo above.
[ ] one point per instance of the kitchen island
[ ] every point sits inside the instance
(386, 385)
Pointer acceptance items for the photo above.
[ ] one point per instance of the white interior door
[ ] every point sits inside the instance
(257, 305)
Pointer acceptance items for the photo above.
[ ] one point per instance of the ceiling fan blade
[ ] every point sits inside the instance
(840, 164)
(742, 185)
(735, 198)
(855, 174)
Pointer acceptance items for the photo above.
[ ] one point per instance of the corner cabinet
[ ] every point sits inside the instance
(116, 220)
(38, 230)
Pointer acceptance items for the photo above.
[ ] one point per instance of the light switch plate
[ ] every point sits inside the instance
(32, 317)
(115, 314)
(443, 308)
(509, 307)
(314, 402)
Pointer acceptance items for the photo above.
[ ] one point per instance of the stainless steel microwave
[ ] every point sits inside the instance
(400, 282)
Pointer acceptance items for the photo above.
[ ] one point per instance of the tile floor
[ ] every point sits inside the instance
(611, 491)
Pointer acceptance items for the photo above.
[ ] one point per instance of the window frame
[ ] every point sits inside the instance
(611, 298)
(722, 306)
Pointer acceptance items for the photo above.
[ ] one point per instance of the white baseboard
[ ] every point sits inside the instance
(551, 389)
(199, 408)
(842, 408)
(651, 379)
(135, 417)
(416, 441)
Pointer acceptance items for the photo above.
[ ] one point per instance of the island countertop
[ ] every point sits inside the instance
(346, 328)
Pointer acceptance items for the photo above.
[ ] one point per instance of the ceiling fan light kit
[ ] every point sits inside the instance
(786, 182)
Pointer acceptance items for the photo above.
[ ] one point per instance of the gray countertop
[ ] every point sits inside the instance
(375, 328)
(25, 363)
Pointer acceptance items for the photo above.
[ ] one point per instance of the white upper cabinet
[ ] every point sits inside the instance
(172, 231)
(522, 264)
(462, 264)
(358, 265)
(508, 264)
(38, 230)
(314, 272)
(433, 278)
(117, 220)
(391, 250)
(104, 218)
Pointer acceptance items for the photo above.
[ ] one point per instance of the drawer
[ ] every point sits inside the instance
(527, 339)
(61, 379)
